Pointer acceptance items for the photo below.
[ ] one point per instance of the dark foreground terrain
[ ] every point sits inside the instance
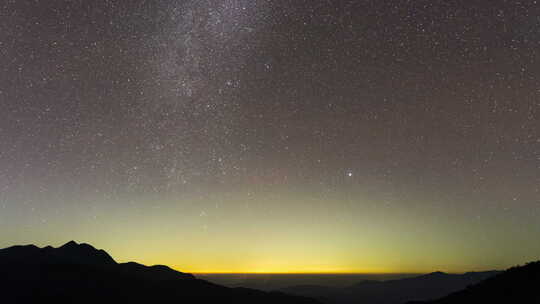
(519, 284)
(79, 273)
(516, 285)
(424, 287)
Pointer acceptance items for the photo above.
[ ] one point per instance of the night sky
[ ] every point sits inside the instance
(274, 136)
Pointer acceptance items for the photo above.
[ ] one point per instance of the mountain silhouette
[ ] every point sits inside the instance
(69, 253)
(515, 285)
(424, 287)
(80, 273)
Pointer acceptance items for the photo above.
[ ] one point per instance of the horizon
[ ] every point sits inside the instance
(262, 273)
(37, 271)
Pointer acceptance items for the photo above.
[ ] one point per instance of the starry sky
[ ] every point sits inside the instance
(274, 136)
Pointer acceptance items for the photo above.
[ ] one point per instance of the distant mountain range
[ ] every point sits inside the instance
(516, 285)
(424, 287)
(519, 284)
(79, 273)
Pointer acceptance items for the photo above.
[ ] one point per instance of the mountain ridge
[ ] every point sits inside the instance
(80, 273)
(518, 284)
(396, 291)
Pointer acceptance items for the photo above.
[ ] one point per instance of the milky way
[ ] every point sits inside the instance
(274, 135)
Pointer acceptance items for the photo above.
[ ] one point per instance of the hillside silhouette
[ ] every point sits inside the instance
(515, 285)
(424, 287)
(79, 273)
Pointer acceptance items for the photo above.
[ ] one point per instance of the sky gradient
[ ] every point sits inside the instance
(274, 136)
